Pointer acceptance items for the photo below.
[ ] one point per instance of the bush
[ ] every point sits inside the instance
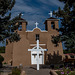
(65, 71)
(52, 66)
(4, 63)
(72, 73)
(58, 72)
(2, 49)
(16, 71)
(1, 60)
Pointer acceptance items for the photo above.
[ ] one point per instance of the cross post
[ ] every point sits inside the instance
(37, 55)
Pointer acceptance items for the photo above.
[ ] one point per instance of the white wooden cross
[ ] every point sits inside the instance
(37, 53)
(50, 13)
(36, 23)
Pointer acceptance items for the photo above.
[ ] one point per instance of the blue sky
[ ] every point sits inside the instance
(35, 11)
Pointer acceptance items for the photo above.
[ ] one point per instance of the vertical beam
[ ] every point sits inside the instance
(37, 55)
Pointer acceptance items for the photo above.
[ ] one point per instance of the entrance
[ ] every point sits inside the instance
(34, 56)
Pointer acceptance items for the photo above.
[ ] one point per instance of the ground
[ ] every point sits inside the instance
(33, 71)
(29, 70)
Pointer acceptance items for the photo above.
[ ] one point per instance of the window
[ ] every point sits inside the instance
(52, 25)
(52, 22)
(20, 26)
(37, 36)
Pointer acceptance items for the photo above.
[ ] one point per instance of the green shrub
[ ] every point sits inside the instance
(16, 71)
(56, 67)
(5, 63)
(72, 73)
(58, 72)
(2, 49)
(1, 58)
(65, 71)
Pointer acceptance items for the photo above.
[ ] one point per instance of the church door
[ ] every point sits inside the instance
(34, 57)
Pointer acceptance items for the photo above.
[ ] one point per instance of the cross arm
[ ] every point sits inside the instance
(37, 49)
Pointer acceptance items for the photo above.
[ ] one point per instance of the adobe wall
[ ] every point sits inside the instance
(20, 52)
(8, 53)
(21, 55)
(32, 36)
(45, 38)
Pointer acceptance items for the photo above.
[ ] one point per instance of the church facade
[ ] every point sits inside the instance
(17, 52)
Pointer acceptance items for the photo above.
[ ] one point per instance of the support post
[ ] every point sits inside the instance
(37, 55)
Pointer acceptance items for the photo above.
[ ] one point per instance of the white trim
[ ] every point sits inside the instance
(37, 49)
(36, 44)
(36, 28)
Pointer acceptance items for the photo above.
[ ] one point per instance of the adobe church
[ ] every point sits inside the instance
(17, 53)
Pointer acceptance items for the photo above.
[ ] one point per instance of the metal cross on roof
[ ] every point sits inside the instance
(50, 13)
(36, 23)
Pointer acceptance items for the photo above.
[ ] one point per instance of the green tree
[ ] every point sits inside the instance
(1, 60)
(15, 71)
(67, 15)
(6, 23)
(2, 49)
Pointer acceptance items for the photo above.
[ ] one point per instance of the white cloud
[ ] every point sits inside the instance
(52, 2)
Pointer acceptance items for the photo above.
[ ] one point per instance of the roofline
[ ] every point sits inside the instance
(37, 28)
(53, 19)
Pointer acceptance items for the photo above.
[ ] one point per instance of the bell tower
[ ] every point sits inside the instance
(51, 23)
(23, 25)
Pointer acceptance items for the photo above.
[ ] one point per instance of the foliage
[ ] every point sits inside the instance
(1, 58)
(67, 15)
(58, 72)
(6, 23)
(65, 71)
(2, 49)
(72, 73)
(4, 63)
(69, 51)
(16, 71)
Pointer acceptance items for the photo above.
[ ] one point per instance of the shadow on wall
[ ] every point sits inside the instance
(54, 59)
